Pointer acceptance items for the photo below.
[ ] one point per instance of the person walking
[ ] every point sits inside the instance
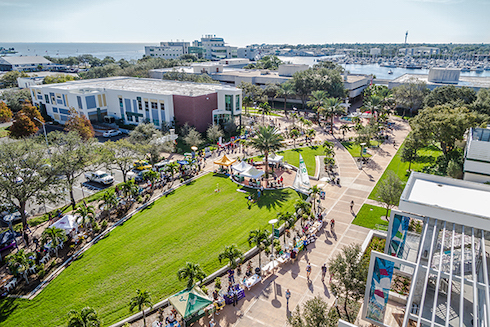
(288, 296)
(308, 271)
(352, 205)
(332, 224)
(324, 272)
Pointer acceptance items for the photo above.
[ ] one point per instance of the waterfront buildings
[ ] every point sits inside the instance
(168, 50)
(209, 47)
(354, 83)
(476, 166)
(27, 63)
(134, 101)
(445, 261)
(440, 77)
(419, 51)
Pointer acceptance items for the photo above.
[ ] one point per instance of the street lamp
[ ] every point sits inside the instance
(362, 150)
(272, 222)
(44, 129)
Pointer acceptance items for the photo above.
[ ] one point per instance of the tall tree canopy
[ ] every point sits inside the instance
(448, 94)
(443, 125)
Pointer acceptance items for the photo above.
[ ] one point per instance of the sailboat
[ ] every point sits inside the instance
(302, 180)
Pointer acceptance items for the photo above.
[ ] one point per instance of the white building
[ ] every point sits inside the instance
(446, 264)
(27, 63)
(419, 51)
(214, 48)
(168, 50)
(249, 53)
(476, 166)
(137, 100)
(375, 51)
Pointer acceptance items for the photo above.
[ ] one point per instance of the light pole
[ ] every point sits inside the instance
(362, 150)
(272, 222)
(44, 129)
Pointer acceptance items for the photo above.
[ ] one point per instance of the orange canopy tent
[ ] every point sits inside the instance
(225, 161)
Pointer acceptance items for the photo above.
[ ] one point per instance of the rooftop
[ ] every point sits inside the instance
(22, 60)
(470, 81)
(448, 199)
(144, 85)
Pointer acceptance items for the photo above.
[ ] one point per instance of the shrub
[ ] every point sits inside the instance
(40, 271)
(217, 283)
(204, 289)
(104, 224)
(96, 227)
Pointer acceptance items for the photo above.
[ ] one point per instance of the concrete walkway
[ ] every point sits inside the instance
(265, 304)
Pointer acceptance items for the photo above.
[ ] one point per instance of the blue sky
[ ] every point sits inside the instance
(246, 22)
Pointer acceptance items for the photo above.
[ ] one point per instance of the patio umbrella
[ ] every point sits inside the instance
(183, 162)
(194, 148)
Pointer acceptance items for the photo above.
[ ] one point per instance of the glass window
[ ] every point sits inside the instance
(137, 119)
(46, 98)
(228, 102)
(146, 105)
(55, 109)
(162, 106)
(120, 102)
(130, 117)
(140, 105)
(154, 105)
(237, 102)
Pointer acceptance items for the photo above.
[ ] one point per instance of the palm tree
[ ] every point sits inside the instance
(302, 209)
(141, 300)
(231, 253)
(55, 235)
(87, 213)
(268, 139)
(247, 102)
(344, 128)
(20, 262)
(152, 176)
(265, 108)
(109, 200)
(314, 191)
(288, 219)
(317, 101)
(258, 238)
(374, 103)
(172, 168)
(190, 272)
(87, 317)
(129, 188)
(286, 90)
(294, 134)
(332, 107)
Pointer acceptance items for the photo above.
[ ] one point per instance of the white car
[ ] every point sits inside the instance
(99, 176)
(112, 132)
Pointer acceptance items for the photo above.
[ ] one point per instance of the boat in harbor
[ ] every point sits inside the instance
(7, 51)
(390, 72)
(412, 66)
(465, 69)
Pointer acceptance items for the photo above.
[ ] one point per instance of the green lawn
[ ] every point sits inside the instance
(355, 149)
(308, 153)
(427, 156)
(369, 216)
(258, 112)
(192, 224)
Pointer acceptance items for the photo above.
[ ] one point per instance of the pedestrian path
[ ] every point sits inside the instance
(265, 304)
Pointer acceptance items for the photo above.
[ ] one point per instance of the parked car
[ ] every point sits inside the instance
(99, 176)
(160, 165)
(112, 132)
(141, 165)
(140, 176)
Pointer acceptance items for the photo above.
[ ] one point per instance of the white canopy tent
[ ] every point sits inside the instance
(67, 223)
(241, 166)
(253, 173)
(274, 158)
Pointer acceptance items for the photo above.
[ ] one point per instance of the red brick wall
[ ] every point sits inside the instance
(197, 111)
